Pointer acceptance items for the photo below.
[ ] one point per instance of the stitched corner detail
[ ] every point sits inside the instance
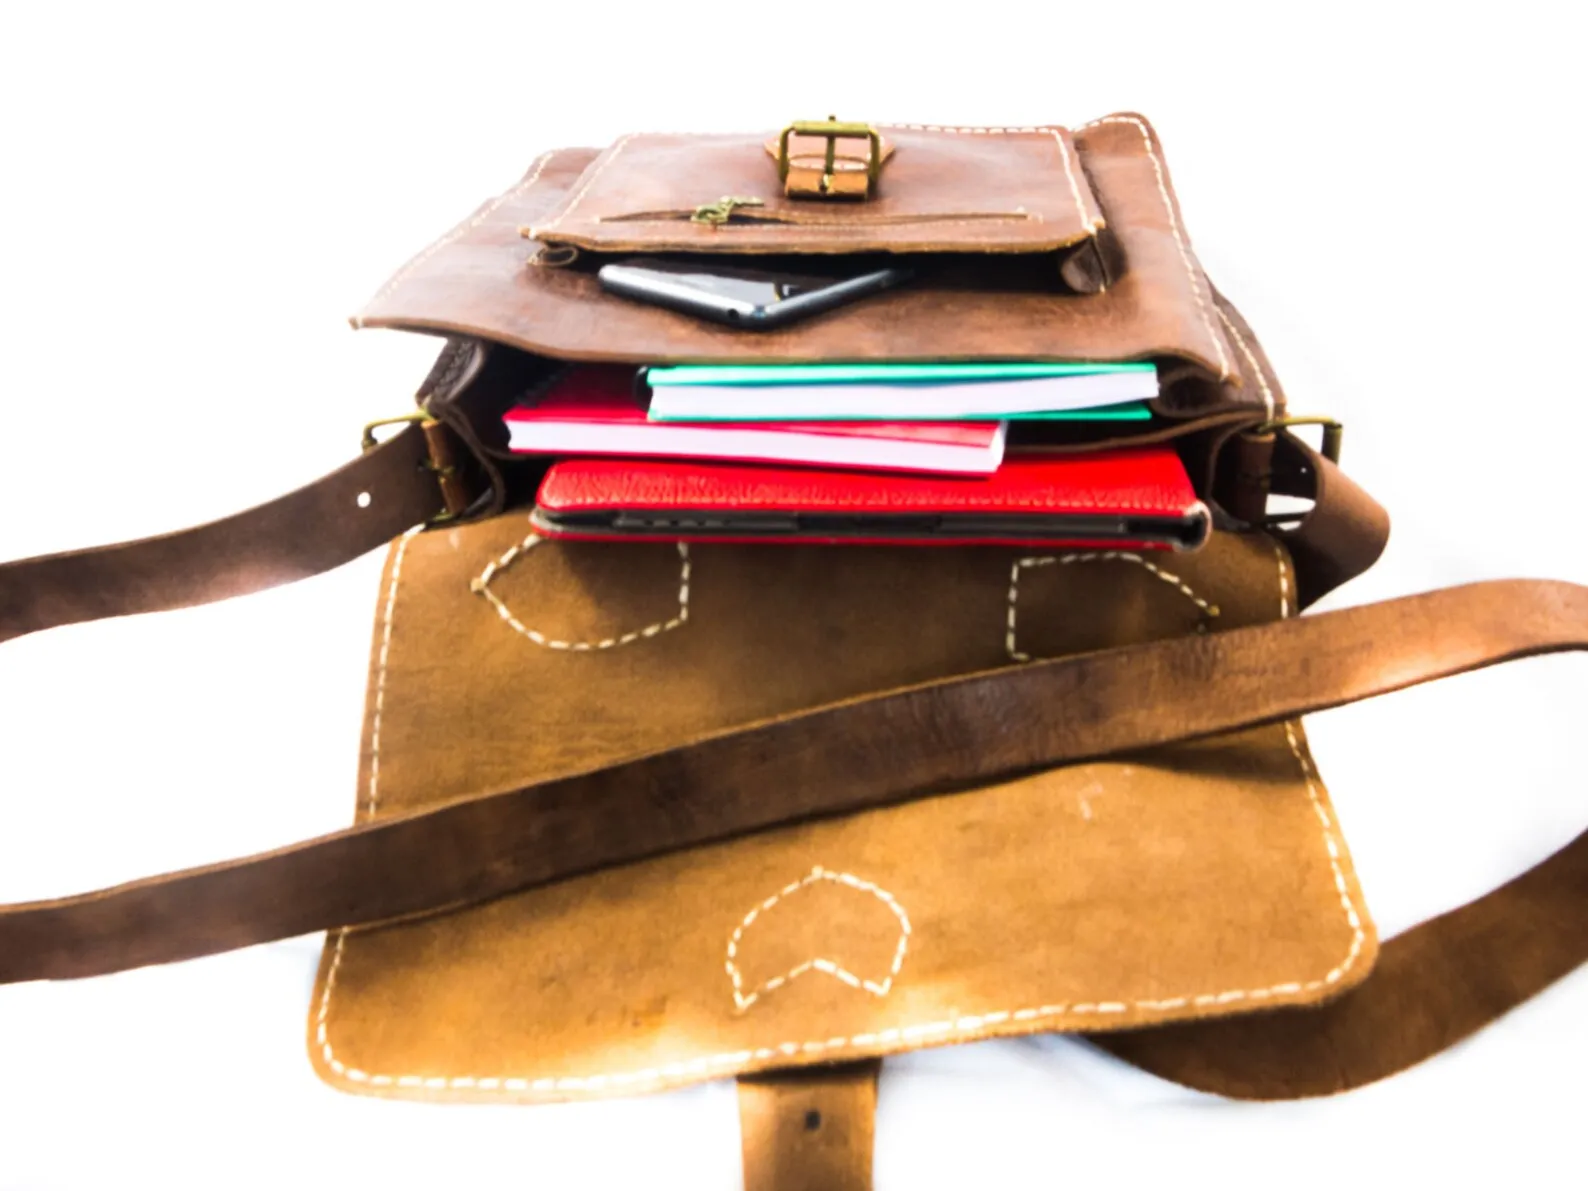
(968, 1026)
(536, 233)
(877, 988)
(1011, 639)
(481, 585)
(468, 225)
(1262, 378)
(1091, 225)
(1191, 267)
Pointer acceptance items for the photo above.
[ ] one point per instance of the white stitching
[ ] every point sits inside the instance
(732, 1061)
(371, 798)
(1179, 237)
(982, 131)
(1075, 189)
(482, 586)
(540, 233)
(1090, 224)
(1262, 380)
(463, 228)
(380, 679)
(876, 988)
(1353, 919)
(1011, 646)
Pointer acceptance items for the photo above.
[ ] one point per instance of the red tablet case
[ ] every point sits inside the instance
(1136, 482)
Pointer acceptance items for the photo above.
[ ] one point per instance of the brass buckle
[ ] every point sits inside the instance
(1333, 431)
(369, 442)
(833, 131)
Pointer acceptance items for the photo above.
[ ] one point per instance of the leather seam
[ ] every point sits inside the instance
(1191, 267)
(1011, 641)
(481, 585)
(1262, 379)
(372, 789)
(541, 232)
(971, 1025)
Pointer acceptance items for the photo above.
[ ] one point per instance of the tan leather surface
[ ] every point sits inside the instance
(1020, 191)
(1194, 879)
(809, 1129)
(482, 278)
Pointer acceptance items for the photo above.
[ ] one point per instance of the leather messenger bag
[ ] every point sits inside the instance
(636, 815)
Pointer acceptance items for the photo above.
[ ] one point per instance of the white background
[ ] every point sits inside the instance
(192, 201)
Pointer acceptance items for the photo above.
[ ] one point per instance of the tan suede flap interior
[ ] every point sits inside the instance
(1203, 879)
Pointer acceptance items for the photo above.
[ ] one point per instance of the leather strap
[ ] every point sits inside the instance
(1432, 986)
(1344, 532)
(809, 1129)
(922, 740)
(335, 519)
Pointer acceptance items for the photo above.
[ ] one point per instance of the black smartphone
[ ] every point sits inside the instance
(736, 295)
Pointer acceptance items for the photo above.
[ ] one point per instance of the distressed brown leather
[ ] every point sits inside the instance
(809, 1130)
(321, 525)
(485, 279)
(1020, 190)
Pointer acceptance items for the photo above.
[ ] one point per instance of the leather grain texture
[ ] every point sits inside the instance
(1200, 878)
(1018, 191)
(1149, 481)
(483, 278)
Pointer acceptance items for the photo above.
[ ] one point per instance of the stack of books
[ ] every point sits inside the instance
(950, 419)
(1012, 453)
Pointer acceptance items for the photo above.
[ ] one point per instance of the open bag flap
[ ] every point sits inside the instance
(1202, 879)
(485, 279)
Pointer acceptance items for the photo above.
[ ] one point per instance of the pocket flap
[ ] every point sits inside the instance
(998, 190)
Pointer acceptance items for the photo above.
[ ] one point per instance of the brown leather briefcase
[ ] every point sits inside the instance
(632, 816)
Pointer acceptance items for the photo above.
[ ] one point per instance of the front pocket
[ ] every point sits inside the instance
(989, 191)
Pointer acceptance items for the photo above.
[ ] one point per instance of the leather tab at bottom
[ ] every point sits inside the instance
(809, 1129)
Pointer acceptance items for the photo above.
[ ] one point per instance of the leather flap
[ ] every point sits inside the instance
(485, 279)
(1203, 879)
(1019, 190)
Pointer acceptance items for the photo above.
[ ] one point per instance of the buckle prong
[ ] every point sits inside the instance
(832, 130)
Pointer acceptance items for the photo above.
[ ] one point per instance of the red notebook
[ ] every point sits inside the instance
(593, 410)
(1139, 497)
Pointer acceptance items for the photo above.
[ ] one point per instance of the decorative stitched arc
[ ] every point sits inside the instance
(482, 586)
(877, 988)
(1011, 638)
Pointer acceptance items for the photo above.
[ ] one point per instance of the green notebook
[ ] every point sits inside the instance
(848, 374)
(866, 392)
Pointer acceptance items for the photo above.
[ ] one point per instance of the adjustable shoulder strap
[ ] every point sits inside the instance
(910, 743)
(1435, 984)
(333, 520)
